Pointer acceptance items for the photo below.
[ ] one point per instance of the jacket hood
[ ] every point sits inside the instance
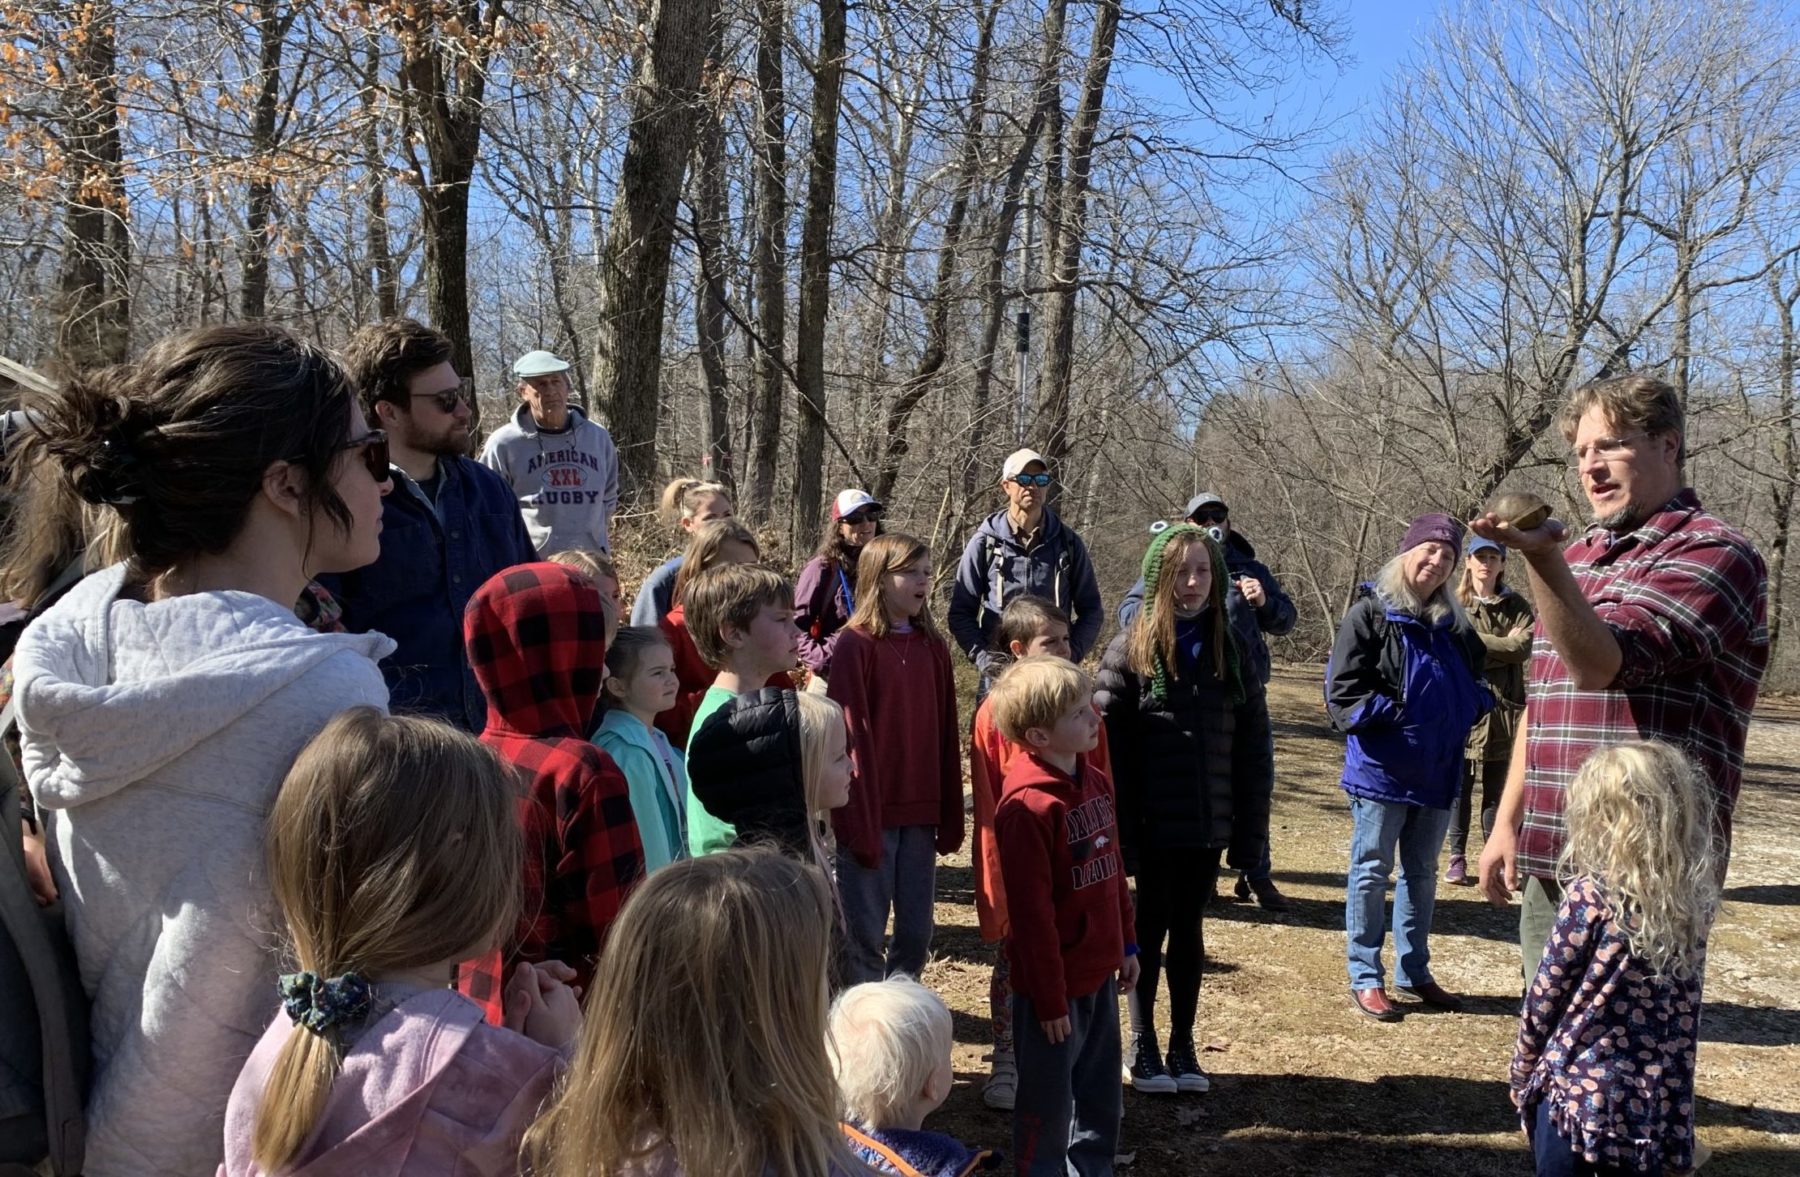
(745, 766)
(116, 688)
(536, 641)
(1367, 592)
(1237, 545)
(528, 424)
(995, 525)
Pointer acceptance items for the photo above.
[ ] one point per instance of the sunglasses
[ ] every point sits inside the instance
(374, 447)
(447, 400)
(1030, 479)
(1210, 515)
(858, 518)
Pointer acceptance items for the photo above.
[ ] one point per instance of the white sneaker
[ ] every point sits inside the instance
(1002, 1086)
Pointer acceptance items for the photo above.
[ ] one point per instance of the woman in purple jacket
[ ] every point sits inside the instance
(825, 595)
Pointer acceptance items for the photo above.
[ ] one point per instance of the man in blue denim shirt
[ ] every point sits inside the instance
(449, 524)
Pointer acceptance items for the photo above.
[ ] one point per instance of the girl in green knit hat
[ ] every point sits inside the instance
(1188, 724)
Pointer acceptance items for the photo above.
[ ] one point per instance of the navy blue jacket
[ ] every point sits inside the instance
(996, 567)
(432, 561)
(1277, 615)
(1406, 691)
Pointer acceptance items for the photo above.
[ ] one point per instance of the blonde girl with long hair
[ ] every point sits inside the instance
(890, 671)
(687, 505)
(704, 1052)
(1187, 727)
(382, 887)
(1603, 1073)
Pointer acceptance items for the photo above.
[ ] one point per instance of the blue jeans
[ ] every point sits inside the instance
(1417, 833)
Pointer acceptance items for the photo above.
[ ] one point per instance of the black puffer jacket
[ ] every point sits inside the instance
(1192, 771)
(744, 766)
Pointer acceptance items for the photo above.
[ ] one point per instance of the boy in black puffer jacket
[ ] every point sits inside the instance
(1188, 724)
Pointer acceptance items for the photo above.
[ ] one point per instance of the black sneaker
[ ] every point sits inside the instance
(1185, 1068)
(1145, 1071)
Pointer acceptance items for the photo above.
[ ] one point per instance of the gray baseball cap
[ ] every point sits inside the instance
(538, 363)
(1205, 498)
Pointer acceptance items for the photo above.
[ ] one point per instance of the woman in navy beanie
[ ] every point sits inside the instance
(1404, 684)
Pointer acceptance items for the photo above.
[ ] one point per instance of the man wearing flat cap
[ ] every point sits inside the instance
(563, 467)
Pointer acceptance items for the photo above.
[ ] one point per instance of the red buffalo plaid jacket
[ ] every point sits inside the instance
(536, 642)
(1686, 595)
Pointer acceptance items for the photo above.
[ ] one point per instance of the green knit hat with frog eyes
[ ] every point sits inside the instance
(1151, 568)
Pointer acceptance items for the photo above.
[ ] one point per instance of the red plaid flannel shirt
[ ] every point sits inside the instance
(1686, 595)
(535, 641)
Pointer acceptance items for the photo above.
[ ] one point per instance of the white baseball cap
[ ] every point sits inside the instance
(849, 502)
(1018, 460)
(538, 363)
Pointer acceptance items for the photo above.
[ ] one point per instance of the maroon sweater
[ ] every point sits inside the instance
(1066, 899)
(899, 698)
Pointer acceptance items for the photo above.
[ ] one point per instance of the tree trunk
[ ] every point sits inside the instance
(1070, 220)
(712, 212)
(937, 313)
(1047, 99)
(769, 254)
(1787, 461)
(381, 257)
(665, 114)
(93, 309)
(272, 29)
(815, 267)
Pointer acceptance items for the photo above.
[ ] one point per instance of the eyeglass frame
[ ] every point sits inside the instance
(1608, 449)
(1211, 513)
(463, 393)
(376, 457)
(1037, 481)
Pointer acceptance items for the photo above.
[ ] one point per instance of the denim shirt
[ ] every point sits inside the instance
(432, 561)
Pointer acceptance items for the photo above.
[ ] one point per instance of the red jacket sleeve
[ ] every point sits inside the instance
(857, 822)
(987, 768)
(950, 801)
(1027, 859)
(600, 858)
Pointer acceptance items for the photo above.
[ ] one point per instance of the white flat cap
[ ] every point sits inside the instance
(538, 363)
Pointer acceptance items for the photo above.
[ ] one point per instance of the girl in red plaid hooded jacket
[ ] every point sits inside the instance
(536, 640)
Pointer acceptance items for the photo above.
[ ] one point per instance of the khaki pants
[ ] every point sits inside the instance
(1537, 915)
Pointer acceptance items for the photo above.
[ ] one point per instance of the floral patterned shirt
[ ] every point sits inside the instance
(1607, 1044)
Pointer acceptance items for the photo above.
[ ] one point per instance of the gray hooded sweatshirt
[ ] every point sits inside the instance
(155, 736)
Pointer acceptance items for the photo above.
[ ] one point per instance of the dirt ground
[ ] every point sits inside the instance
(1301, 1084)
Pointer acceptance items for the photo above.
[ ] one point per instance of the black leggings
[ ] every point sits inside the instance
(1172, 889)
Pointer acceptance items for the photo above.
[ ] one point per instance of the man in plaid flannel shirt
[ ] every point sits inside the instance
(1651, 626)
(536, 641)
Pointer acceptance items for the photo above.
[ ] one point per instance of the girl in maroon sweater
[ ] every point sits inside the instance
(890, 671)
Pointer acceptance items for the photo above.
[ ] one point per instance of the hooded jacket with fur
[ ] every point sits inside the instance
(155, 735)
(537, 644)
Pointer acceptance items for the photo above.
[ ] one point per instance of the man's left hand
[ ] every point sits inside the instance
(1252, 590)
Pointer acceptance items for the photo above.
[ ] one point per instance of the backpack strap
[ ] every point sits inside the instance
(897, 1162)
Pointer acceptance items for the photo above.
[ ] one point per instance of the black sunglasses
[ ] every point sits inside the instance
(1031, 479)
(447, 400)
(858, 518)
(1210, 515)
(374, 447)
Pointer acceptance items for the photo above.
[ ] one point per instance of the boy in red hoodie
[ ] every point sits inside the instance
(1071, 923)
(536, 638)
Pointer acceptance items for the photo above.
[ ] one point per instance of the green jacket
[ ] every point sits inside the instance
(1491, 738)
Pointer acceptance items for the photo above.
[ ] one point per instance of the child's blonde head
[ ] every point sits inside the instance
(882, 557)
(888, 1038)
(1037, 692)
(1642, 822)
(592, 564)
(683, 498)
(705, 1030)
(730, 595)
(392, 845)
(822, 730)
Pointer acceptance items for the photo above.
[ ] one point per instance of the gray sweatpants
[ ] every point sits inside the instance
(1069, 1099)
(906, 881)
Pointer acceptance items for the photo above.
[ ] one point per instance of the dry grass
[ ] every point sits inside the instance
(1302, 1085)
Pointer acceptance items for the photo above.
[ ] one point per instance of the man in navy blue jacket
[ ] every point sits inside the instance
(449, 524)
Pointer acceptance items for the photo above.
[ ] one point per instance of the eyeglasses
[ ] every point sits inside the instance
(374, 447)
(1606, 448)
(448, 399)
(1030, 479)
(858, 518)
(1210, 515)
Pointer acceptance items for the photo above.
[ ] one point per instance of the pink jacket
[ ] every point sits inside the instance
(429, 1089)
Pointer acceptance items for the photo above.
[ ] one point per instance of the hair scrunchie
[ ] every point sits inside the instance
(319, 1003)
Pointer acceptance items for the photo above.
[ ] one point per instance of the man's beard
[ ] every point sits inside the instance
(450, 443)
(1626, 518)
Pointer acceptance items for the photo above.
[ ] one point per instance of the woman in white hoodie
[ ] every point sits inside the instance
(162, 699)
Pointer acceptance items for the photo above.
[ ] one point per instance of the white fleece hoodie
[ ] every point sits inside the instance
(155, 735)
